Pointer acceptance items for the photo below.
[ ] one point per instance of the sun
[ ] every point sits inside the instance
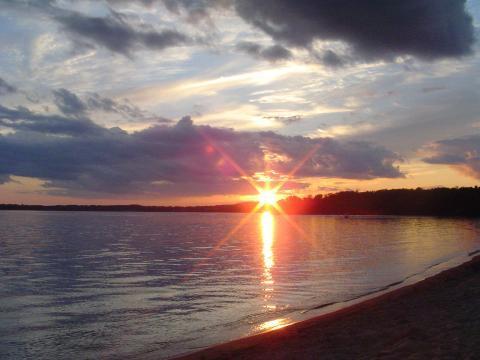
(267, 197)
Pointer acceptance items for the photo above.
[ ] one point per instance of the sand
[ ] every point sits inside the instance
(437, 318)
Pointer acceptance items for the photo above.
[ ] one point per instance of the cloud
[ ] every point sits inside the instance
(22, 119)
(75, 157)
(286, 120)
(359, 127)
(347, 31)
(332, 59)
(194, 11)
(72, 105)
(6, 88)
(117, 35)
(372, 29)
(96, 102)
(4, 179)
(462, 153)
(69, 103)
(271, 53)
(330, 157)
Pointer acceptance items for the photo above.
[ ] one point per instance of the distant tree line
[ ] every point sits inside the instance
(242, 207)
(463, 201)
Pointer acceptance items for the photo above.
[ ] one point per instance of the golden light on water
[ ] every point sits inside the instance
(273, 324)
(267, 239)
(267, 223)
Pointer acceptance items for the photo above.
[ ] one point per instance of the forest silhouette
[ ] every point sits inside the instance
(464, 201)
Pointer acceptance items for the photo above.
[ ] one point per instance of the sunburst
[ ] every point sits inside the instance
(267, 197)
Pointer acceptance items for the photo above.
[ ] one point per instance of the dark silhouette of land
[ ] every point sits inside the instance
(463, 201)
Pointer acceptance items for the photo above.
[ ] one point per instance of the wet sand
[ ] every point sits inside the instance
(437, 318)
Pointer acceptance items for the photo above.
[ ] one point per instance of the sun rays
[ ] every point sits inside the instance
(267, 200)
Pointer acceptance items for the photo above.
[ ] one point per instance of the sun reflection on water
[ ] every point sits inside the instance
(268, 238)
(267, 223)
(274, 324)
(268, 228)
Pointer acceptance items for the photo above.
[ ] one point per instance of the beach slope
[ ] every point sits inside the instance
(436, 318)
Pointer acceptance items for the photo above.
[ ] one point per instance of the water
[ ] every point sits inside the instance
(100, 285)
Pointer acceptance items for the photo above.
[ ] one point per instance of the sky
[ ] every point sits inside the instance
(188, 102)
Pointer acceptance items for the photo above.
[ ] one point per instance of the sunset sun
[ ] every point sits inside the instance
(267, 197)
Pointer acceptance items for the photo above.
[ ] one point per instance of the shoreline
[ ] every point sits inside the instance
(390, 320)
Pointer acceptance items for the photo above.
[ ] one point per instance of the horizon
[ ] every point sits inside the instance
(206, 102)
(283, 206)
(253, 200)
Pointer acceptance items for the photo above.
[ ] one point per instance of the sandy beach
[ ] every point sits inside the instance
(437, 318)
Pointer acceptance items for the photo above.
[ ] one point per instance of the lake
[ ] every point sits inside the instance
(100, 285)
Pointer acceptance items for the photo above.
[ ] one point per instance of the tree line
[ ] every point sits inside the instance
(463, 201)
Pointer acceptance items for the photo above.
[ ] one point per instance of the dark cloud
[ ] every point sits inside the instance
(275, 53)
(4, 179)
(69, 103)
(331, 158)
(270, 53)
(117, 35)
(330, 58)
(462, 153)
(96, 102)
(249, 47)
(6, 88)
(22, 119)
(171, 160)
(373, 29)
(114, 31)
